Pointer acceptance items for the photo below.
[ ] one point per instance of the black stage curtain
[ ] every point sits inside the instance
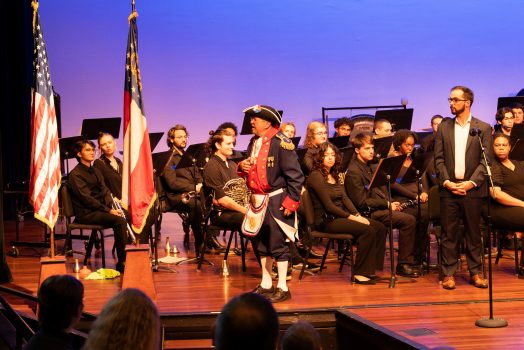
(16, 47)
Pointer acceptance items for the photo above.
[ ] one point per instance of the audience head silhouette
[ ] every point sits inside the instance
(129, 320)
(301, 336)
(247, 321)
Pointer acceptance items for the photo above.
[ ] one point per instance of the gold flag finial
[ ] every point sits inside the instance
(34, 5)
(133, 14)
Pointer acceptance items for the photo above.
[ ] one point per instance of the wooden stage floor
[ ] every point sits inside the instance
(445, 318)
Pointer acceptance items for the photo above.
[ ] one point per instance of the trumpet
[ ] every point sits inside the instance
(186, 196)
(118, 207)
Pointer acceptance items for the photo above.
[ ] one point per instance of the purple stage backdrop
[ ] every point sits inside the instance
(203, 61)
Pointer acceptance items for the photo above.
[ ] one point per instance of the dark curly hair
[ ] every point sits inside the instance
(401, 136)
(318, 160)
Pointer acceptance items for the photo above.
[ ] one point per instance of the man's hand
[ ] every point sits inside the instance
(287, 212)
(396, 206)
(245, 165)
(423, 197)
(114, 212)
(198, 187)
(456, 188)
(359, 218)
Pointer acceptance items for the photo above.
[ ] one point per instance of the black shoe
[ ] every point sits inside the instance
(120, 267)
(280, 296)
(406, 270)
(520, 273)
(268, 293)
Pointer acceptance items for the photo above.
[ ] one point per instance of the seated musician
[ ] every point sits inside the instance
(316, 134)
(375, 201)
(505, 121)
(508, 192)
(335, 213)
(289, 129)
(343, 127)
(111, 168)
(182, 186)
(518, 112)
(229, 191)
(407, 193)
(91, 199)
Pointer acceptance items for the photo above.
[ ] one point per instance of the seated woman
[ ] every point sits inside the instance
(316, 134)
(223, 182)
(289, 129)
(407, 193)
(111, 168)
(335, 213)
(508, 191)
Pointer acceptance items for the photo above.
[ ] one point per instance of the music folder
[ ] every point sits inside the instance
(508, 101)
(517, 151)
(195, 155)
(340, 141)
(159, 160)
(91, 128)
(347, 156)
(386, 166)
(420, 162)
(517, 133)
(154, 139)
(382, 146)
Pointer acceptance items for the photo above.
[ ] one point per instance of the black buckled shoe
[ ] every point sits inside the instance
(268, 293)
(280, 296)
(406, 270)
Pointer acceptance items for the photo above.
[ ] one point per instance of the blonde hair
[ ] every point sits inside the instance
(129, 320)
(310, 133)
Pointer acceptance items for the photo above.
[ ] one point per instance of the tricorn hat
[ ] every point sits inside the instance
(260, 111)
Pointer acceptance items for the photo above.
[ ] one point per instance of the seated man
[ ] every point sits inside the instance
(343, 127)
(247, 321)
(505, 120)
(91, 199)
(59, 309)
(183, 185)
(382, 128)
(375, 201)
(518, 112)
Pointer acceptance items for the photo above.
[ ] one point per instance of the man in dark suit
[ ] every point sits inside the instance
(462, 179)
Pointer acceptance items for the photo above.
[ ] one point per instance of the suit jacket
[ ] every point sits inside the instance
(475, 167)
(357, 180)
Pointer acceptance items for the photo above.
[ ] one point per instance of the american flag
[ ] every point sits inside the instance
(138, 191)
(45, 154)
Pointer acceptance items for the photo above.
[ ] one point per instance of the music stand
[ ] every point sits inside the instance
(154, 139)
(508, 101)
(517, 151)
(340, 141)
(91, 128)
(347, 155)
(421, 135)
(382, 146)
(66, 149)
(385, 174)
(195, 157)
(517, 133)
(399, 118)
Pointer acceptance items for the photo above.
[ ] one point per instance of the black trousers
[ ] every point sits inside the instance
(452, 211)
(194, 209)
(117, 223)
(421, 234)
(228, 219)
(371, 241)
(406, 224)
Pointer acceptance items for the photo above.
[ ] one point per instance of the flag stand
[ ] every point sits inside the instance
(138, 272)
(54, 265)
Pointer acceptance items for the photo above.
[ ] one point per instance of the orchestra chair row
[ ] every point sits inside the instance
(312, 234)
(97, 231)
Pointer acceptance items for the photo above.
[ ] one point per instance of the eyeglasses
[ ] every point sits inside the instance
(455, 100)
(181, 137)
(320, 133)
